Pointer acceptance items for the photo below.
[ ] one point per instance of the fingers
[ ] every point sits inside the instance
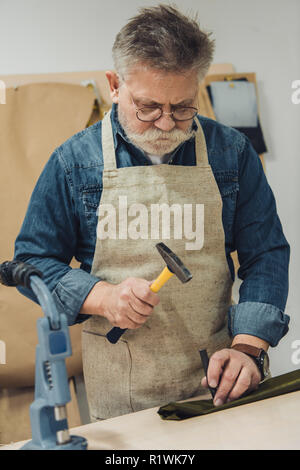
(229, 377)
(233, 373)
(217, 364)
(142, 291)
(138, 312)
(140, 307)
(134, 303)
(243, 384)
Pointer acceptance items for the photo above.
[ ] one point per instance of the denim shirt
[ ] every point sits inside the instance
(61, 223)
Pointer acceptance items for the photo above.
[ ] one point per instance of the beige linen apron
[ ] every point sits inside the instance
(158, 362)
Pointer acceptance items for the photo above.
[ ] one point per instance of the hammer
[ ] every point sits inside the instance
(174, 266)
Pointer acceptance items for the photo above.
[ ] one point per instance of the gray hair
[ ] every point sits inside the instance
(164, 39)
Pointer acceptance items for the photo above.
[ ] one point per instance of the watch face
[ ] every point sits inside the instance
(264, 359)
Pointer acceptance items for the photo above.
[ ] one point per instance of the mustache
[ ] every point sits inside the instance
(175, 135)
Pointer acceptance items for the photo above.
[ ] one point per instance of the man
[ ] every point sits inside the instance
(153, 150)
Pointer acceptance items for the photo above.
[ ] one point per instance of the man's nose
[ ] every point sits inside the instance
(165, 122)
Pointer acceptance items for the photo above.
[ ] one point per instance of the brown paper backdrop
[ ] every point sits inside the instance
(34, 121)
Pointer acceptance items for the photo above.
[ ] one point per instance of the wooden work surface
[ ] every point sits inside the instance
(271, 424)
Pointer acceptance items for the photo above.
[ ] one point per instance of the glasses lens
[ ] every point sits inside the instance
(152, 114)
(184, 114)
(149, 114)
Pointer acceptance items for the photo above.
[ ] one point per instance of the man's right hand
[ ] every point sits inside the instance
(126, 305)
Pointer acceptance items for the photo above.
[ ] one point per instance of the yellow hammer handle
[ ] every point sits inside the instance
(161, 280)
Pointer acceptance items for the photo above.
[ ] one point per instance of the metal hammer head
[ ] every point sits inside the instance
(174, 264)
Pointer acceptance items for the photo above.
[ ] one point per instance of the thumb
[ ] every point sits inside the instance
(204, 382)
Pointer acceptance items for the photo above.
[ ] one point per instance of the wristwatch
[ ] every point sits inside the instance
(259, 356)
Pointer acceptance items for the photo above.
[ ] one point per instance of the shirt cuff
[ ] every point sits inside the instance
(258, 319)
(70, 293)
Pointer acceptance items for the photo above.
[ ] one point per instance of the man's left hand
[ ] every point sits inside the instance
(233, 373)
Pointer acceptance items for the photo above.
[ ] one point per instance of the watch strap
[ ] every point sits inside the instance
(247, 349)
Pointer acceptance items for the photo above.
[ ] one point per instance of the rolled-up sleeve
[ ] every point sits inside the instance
(257, 319)
(263, 254)
(47, 240)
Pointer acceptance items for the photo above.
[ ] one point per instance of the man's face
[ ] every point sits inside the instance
(148, 87)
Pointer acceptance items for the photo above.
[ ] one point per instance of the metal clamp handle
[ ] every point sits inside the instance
(16, 273)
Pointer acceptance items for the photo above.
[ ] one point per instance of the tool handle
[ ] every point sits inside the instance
(161, 279)
(16, 273)
(205, 362)
(115, 333)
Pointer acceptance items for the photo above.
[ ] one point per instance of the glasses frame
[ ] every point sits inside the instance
(137, 109)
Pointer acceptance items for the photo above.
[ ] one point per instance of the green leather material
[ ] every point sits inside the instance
(272, 387)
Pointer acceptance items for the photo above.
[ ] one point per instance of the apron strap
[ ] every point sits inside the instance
(200, 146)
(108, 148)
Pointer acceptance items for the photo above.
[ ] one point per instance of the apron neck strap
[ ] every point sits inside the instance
(108, 148)
(200, 146)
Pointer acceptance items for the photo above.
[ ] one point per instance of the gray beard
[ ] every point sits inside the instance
(150, 141)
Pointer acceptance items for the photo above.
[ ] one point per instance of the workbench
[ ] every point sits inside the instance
(270, 424)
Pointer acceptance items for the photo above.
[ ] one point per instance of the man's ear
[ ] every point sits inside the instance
(113, 81)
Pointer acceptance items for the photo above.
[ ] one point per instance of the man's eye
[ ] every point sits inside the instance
(145, 106)
(149, 110)
(180, 109)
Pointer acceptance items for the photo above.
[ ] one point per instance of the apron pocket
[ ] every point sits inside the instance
(106, 369)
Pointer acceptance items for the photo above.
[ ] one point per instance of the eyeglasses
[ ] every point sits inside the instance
(153, 113)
